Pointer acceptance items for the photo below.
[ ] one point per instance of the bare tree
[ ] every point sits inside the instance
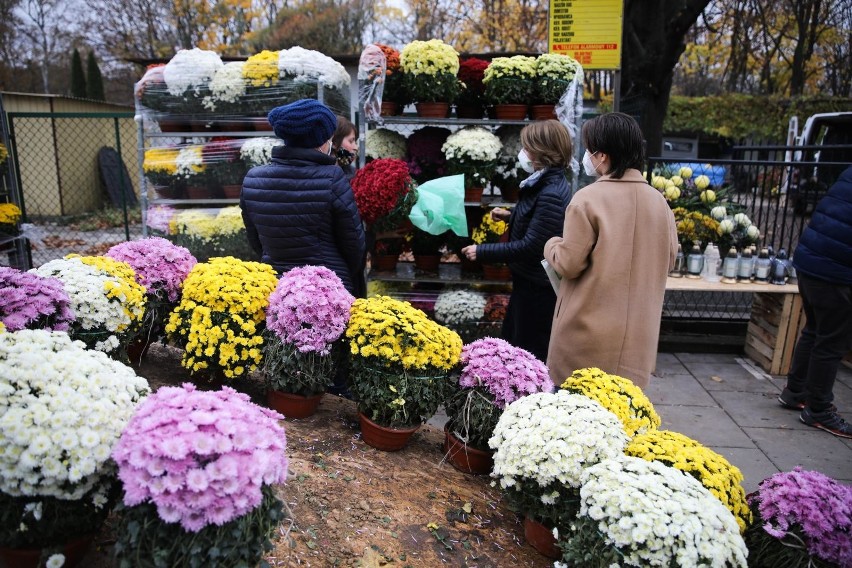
(48, 32)
(10, 23)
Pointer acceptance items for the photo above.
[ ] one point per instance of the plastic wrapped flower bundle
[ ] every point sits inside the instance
(227, 88)
(30, 301)
(712, 470)
(108, 303)
(801, 518)
(161, 267)
(494, 374)
(472, 151)
(384, 143)
(423, 153)
(400, 361)
(307, 315)
(643, 513)
(198, 469)
(509, 80)
(384, 193)
(306, 70)
(62, 410)
(393, 88)
(618, 395)
(219, 316)
(429, 71)
(209, 233)
(543, 442)
(181, 85)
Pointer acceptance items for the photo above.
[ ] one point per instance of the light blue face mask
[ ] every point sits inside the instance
(525, 162)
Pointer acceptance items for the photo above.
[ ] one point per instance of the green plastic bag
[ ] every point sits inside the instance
(440, 206)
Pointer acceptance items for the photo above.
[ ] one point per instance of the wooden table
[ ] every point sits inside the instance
(775, 322)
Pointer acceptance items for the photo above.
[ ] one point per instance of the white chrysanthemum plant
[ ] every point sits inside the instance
(635, 512)
(455, 307)
(384, 143)
(258, 151)
(473, 151)
(226, 88)
(314, 76)
(190, 71)
(543, 442)
(62, 409)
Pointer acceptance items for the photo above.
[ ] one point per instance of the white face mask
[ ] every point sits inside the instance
(589, 166)
(330, 148)
(526, 163)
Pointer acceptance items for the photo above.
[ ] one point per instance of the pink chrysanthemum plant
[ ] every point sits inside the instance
(197, 469)
(30, 301)
(494, 374)
(161, 267)
(307, 316)
(801, 518)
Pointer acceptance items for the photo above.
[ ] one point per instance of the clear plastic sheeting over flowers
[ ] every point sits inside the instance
(372, 68)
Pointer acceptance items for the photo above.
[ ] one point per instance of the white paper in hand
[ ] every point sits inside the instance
(552, 275)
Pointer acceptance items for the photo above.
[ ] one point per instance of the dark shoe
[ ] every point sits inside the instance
(795, 401)
(829, 421)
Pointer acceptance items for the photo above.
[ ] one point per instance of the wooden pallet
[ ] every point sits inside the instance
(773, 329)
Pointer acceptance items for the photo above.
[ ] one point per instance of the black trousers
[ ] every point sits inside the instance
(529, 316)
(825, 339)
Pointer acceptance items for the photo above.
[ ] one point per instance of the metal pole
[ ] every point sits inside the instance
(616, 90)
(124, 181)
(143, 185)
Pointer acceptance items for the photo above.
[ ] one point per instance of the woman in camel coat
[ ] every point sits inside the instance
(618, 245)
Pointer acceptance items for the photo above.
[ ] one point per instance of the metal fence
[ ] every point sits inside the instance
(66, 175)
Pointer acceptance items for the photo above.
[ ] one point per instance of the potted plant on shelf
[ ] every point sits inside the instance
(304, 71)
(4, 158)
(62, 410)
(210, 233)
(227, 95)
(508, 174)
(10, 219)
(462, 311)
(108, 303)
(306, 317)
(384, 143)
(198, 469)
(801, 518)
(384, 193)
(187, 76)
(160, 167)
(190, 167)
(386, 253)
(491, 231)
(400, 365)
(509, 85)
(394, 97)
(472, 151)
(260, 73)
(223, 167)
(470, 101)
(429, 71)
(219, 320)
(555, 73)
(543, 442)
(423, 153)
(161, 267)
(494, 374)
(426, 248)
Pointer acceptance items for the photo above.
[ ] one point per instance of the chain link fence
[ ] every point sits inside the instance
(74, 176)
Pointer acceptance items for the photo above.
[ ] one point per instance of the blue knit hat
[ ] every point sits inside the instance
(306, 123)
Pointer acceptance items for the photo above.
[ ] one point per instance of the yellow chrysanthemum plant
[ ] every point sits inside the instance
(10, 217)
(488, 230)
(712, 470)
(401, 361)
(618, 395)
(430, 71)
(220, 316)
(209, 233)
(160, 165)
(510, 80)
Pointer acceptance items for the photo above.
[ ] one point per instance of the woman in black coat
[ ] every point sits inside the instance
(300, 210)
(540, 213)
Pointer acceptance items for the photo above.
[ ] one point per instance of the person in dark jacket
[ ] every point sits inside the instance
(546, 151)
(300, 210)
(823, 263)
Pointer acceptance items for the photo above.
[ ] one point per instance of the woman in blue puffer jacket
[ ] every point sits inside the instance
(300, 209)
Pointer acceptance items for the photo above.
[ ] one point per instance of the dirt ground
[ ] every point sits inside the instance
(353, 505)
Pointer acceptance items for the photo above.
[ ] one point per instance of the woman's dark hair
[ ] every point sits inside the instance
(618, 136)
(344, 129)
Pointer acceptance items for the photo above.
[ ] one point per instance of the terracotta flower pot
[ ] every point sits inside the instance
(385, 439)
(433, 110)
(174, 125)
(74, 551)
(543, 112)
(541, 538)
(388, 108)
(427, 262)
(384, 262)
(473, 194)
(465, 458)
(496, 272)
(197, 192)
(510, 112)
(232, 191)
(166, 192)
(293, 405)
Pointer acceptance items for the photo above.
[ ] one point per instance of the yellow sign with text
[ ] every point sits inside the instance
(587, 30)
